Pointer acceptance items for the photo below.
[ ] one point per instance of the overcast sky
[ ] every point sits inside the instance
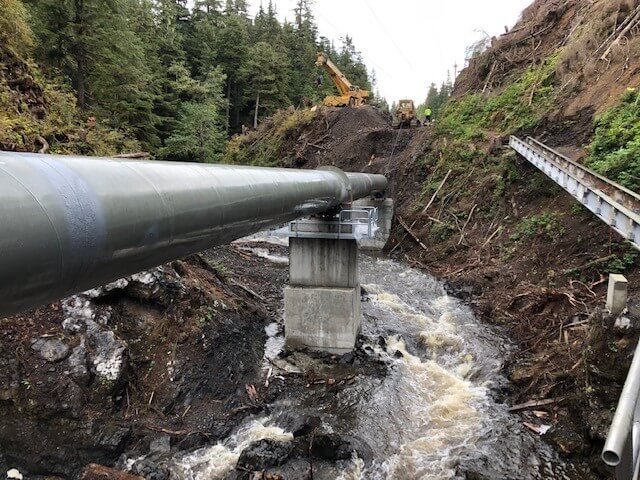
(409, 43)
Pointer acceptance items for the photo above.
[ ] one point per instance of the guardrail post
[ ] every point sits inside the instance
(617, 294)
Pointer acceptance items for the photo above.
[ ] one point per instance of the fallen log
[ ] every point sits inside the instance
(133, 155)
(534, 403)
(413, 235)
(44, 143)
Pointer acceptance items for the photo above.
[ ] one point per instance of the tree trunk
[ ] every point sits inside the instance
(80, 55)
(228, 105)
(255, 115)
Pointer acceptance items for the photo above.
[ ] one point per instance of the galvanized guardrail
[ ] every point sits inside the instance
(614, 204)
(618, 207)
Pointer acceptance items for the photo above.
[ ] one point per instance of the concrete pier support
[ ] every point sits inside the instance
(385, 219)
(322, 301)
(617, 294)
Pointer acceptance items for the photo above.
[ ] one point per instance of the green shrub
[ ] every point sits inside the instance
(266, 150)
(623, 262)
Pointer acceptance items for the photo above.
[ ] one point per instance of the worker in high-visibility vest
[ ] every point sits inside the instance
(427, 115)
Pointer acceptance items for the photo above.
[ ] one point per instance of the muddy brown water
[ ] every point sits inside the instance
(435, 415)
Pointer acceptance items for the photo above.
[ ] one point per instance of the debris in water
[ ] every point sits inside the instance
(539, 429)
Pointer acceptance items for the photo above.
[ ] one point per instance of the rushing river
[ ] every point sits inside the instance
(435, 414)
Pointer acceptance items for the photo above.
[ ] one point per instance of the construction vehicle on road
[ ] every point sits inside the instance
(350, 95)
(405, 115)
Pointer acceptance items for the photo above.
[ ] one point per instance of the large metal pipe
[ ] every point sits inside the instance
(71, 223)
(622, 446)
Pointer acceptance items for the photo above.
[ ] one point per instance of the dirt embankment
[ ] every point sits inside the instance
(596, 44)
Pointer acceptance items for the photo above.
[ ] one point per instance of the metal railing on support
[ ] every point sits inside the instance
(619, 208)
(614, 204)
(348, 224)
(622, 448)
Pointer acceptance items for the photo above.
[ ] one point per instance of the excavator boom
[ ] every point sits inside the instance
(350, 95)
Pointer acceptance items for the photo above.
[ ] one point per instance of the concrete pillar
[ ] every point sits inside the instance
(322, 301)
(385, 219)
(617, 294)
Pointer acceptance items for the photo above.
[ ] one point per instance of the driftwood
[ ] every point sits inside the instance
(493, 69)
(133, 155)
(433, 197)
(619, 33)
(590, 264)
(413, 235)
(44, 143)
(534, 403)
(247, 289)
(466, 223)
(491, 237)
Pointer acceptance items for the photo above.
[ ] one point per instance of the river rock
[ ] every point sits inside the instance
(106, 353)
(77, 365)
(263, 454)
(113, 437)
(51, 349)
(14, 474)
(149, 470)
(77, 311)
(331, 446)
(567, 440)
(161, 444)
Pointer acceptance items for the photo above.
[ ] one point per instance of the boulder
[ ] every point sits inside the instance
(331, 446)
(107, 353)
(77, 365)
(264, 454)
(150, 470)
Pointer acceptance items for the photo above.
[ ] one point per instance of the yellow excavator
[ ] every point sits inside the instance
(350, 95)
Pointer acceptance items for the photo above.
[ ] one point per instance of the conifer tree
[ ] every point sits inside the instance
(266, 75)
(199, 135)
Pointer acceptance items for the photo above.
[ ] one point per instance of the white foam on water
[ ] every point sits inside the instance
(275, 341)
(214, 462)
(434, 410)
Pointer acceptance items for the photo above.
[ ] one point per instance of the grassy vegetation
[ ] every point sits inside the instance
(615, 149)
(470, 123)
(207, 315)
(221, 270)
(264, 147)
(546, 225)
(520, 106)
